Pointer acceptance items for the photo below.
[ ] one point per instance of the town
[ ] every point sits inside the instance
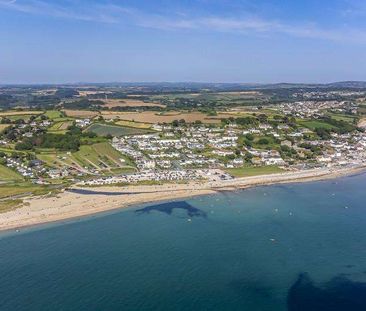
(102, 148)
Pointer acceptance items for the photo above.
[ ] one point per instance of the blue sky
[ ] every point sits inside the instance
(167, 40)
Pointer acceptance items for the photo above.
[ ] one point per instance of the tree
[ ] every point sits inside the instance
(248, 157)
(249, 137)
(263, 141)
(19, 121)
(262, 118)
(5, 121)
(24, 145)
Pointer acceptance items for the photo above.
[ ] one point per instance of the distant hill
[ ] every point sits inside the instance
(348, 84)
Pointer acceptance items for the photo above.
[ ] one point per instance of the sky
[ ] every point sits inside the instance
(248, 41)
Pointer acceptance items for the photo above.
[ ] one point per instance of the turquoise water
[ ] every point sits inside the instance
(282, 247)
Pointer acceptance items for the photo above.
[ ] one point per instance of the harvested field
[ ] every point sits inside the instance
(81, 113)
(111, 103)
(250, 93)
(362, 123)
(19, 113)
(138, 125)
(3, 127)
(156, 117)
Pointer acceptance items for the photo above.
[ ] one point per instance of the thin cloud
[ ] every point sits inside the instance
(249, 25)
(36, 7)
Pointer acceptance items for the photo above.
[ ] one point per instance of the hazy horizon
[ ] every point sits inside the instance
(84, 83)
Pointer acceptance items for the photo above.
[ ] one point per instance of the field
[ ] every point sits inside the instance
(362, 123)
(3, 127)
(137, 125)
(60, 160)
(152, 117)
(53, 114)
(362, 109)
(106, 149)
(6, 174)
(253, 171)
(157, 117)
(104, 129)
(25, 117)
(100, 157)
(111, 103)
(19, 113)
(81, 113)
(313, 125)
(60, 126)
(342, 117)
(221, 98)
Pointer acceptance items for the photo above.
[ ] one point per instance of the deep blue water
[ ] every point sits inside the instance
(283, 247)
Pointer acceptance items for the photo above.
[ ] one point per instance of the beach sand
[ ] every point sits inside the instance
(67, 205)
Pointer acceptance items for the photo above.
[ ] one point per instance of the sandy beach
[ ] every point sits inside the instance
(69, 204)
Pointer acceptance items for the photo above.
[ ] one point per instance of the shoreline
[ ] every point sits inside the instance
(72, 205)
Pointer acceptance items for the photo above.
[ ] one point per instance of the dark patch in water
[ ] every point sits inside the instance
(168, 208)
(339, 294)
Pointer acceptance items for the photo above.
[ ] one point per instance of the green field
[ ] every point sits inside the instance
(221, 98)
(313, 125)
(342, 117)
(108, 151)
(100, 156)
(253, 170)
(59, 160)
(6, 174)
(105, 129)
(60, 127)
(25, 117)
(53, 114)
(362, 109)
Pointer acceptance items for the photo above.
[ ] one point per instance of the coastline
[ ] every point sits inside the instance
(71, 205)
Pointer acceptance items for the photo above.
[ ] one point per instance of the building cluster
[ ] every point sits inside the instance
(82, 122)
(311, 109)
(159, 176)
(341, 150)
(326, 95)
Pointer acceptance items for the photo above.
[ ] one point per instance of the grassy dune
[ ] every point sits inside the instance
(6, 174)
(254, 171)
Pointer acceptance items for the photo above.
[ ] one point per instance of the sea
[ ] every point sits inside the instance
(280, 247)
